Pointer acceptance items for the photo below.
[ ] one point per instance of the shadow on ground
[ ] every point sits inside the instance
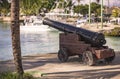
(30, 62)
(85, 74)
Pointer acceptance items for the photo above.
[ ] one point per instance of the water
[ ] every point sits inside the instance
(31, 43)
(38, 42)
(113, 42)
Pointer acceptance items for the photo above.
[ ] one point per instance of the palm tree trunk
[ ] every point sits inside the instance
(15, 29)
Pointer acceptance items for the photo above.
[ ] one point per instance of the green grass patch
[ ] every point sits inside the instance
(10, 75)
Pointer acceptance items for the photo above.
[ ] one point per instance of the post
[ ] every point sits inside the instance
(101, 13)
(89, 11)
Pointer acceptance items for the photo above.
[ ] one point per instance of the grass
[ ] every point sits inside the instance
(10, 75)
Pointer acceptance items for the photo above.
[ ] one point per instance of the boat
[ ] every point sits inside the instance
(81, 22)
(35, 28)
(33, 24)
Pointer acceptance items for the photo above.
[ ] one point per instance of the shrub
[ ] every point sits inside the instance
(113, 32)
(10, 75)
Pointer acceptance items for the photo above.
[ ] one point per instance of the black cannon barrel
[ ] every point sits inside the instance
(93, 38)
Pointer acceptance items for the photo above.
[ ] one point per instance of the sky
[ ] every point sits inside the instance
(105, 2)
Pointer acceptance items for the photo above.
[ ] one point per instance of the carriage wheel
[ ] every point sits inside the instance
(109, 59)
(62, 55)
(88, 58)
(80, 57)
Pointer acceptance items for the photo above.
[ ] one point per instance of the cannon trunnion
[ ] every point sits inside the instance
(86, 44)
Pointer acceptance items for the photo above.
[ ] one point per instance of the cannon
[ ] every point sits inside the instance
(88, 45)
(94, 38)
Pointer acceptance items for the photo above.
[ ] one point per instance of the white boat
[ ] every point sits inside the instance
(81, 22)
(34, 25)
(34, 28)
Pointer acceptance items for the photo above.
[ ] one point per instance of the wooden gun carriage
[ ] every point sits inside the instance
(86, 44)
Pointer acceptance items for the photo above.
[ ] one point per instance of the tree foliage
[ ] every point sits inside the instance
(66, 5)
(83, 9)
(95, 8)
(30, 6)
(35, 6)
(115, 12)
(4, 7)
(47, 5)
(69, 5)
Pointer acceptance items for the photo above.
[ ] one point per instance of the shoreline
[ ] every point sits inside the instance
(8, 19)
(96, 27)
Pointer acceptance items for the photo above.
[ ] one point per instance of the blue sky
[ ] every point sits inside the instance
(111, 2)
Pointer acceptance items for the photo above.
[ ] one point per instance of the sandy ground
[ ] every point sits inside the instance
(52, 68)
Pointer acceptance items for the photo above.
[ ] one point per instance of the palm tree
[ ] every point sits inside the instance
(30, 6)
(15, 29)
(70, 5)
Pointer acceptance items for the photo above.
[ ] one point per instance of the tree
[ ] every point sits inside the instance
(30, 6)
(15, 32)
(83, 9)
(47, 5)
(115, 12)
(95, 8)
(35, 6)
(70, 5)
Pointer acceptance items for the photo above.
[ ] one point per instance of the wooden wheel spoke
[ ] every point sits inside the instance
(62, 55)
(88, 58)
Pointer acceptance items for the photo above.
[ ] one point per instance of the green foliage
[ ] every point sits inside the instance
(95, 8)
(61, 2)
(48, 5)
(30, 6)
(10, 75)
(98, 11)
(115, 12)
(4, 7)
(68, 5)
(35, 6)
(83, 9)
(113, 32)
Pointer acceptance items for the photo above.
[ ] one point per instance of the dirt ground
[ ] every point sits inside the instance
(47, 66)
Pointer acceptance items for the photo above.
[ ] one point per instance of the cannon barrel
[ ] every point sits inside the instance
(90, 37)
